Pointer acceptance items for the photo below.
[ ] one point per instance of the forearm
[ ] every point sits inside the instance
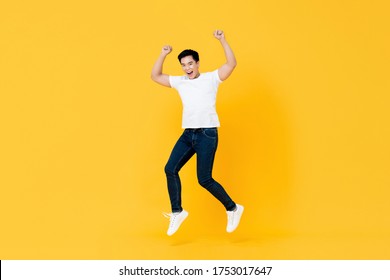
(157, 74)
(158, 66)
(230, 58)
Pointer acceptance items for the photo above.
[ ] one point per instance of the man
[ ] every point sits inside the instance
(200, 121)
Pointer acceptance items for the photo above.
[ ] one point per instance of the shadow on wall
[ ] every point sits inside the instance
(254, 160)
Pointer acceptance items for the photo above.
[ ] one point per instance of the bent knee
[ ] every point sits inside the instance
(206, 181)
(170, 170)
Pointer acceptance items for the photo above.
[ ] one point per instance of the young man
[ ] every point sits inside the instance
(200, 121)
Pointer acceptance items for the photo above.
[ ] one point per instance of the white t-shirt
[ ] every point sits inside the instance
(198, 97)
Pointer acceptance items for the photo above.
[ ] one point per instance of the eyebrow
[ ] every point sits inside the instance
(190, 62)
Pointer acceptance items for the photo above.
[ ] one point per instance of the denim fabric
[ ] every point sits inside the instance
(203, 142)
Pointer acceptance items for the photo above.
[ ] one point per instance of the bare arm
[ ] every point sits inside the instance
(226, 69)
(157, 75)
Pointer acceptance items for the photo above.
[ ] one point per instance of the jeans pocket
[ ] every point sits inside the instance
(210, 132)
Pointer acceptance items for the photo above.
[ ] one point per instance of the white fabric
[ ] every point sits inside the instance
(198, 97)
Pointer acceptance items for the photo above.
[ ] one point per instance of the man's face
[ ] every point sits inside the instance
(190, 67)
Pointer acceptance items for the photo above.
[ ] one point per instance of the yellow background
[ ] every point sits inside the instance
(85, 133)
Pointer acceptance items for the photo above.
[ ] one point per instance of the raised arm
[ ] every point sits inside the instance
(226, 69)
(157, 74)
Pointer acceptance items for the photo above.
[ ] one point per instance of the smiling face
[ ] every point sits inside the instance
(190, 67)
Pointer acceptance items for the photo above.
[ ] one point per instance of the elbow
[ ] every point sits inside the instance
(232, 64)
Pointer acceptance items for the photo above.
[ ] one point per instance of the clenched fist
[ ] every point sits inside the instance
(219, 34)
(166, 50)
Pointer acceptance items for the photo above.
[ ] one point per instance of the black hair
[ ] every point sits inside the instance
(189, 52)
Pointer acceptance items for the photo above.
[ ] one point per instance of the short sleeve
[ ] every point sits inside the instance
(173, 81)
(216, 78)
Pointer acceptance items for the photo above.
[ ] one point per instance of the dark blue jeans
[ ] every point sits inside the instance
(203, 142)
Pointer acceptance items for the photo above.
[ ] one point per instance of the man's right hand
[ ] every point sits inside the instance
(167, 49)
(157, 75)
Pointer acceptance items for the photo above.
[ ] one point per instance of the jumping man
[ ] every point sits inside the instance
(198, 93)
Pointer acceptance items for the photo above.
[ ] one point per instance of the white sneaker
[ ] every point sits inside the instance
(234, 218)
(175, 220)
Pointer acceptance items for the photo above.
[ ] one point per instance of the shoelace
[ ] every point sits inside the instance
(167, 215)
(171, 218)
